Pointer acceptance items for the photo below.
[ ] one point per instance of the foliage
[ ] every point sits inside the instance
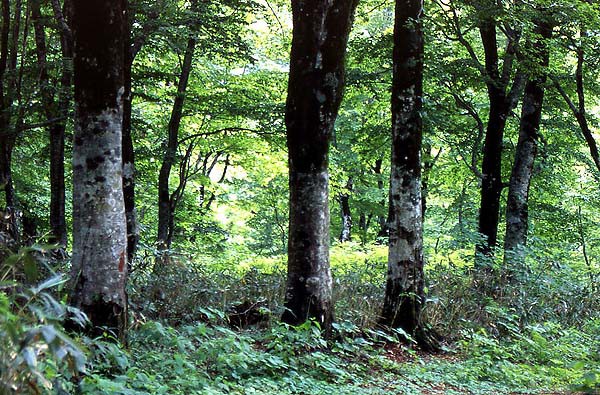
(36, 354)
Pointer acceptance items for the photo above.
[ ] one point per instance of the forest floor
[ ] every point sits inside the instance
(212, 359)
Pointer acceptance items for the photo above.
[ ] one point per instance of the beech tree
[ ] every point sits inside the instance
(504, 91)
(99, 225)
(517, 213)
(316, 84)
(404, 296)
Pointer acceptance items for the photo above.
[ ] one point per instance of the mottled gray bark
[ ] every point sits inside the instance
(316, 84)
(404, 294)
(346, 214)
(517, 213)
(99, 225)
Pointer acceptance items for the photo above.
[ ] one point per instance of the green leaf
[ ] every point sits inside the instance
(29, 356)
(30, 267)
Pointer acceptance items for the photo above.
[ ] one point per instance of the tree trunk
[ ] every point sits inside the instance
(129, 152)
(383, 232)
(56, 112)
(315, 89)
(404, 294)
(99, 225)
(166, 211)
(9, 91)
(7, 136)
(522, 171)
(344, 198)
(491, 169)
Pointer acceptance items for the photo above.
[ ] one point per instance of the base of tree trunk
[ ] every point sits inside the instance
(427, 339)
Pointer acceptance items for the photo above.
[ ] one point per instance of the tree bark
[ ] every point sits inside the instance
(99, 225)
(166, 209)
(503, 99)
(404, 294)
(128, 151)
(315, 89)
(344, 198)
(7, 136)
(518, 193)
(491, 168)
(56, 112)
(383, 232)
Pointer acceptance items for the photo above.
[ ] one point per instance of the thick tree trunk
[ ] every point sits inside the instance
(404, 294)
(346, 232)
(99, 224)
(166, 209)
(522, 171)
(315, 89)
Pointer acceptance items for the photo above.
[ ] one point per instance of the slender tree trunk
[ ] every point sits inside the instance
(346, 232)
(362, 227)
(129, 152)
(491, 169)
(404, 294)
(99, 225)
(526, 151)
(7, 136)
(315, 89)
(9, 91)
(579, 109)
(56, 113)
(381, 219)
(166, 211)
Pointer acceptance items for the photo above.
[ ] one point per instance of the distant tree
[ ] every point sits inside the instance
(11, 112)
(404, 294)
(316, 84)
(166, 200)
(99, 225)
(517, 213)
(504, 87)
(55, 108)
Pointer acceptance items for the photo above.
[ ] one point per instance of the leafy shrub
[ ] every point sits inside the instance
(36, 355)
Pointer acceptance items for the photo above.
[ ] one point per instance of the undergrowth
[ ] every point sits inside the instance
(539, 334)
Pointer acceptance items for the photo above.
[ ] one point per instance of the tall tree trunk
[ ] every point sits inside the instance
(99, 225)
(315, 89)
(9, 92)
(404, 294)
(128, 151)
(56, 112)
(344, 198)
(7, 136)
(518, 193)
(166, 211)
(503, 98)
(491, 169)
